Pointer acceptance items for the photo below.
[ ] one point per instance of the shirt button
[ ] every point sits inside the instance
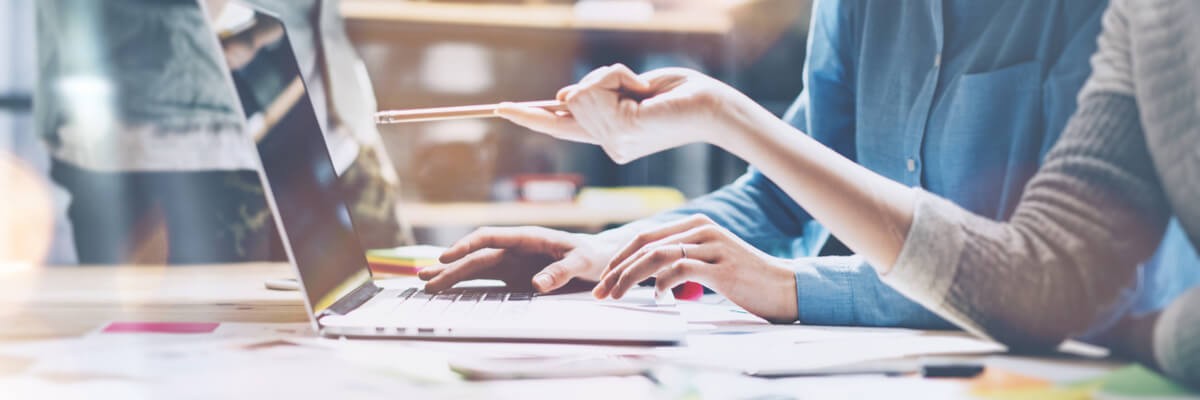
(937, 60)
(912, 165)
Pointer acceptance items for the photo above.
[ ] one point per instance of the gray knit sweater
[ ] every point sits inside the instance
(1127, 161)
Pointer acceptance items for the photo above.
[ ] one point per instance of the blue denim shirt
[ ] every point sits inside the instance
(962, 98)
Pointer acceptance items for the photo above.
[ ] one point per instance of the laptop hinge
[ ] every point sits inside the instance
(353, 300)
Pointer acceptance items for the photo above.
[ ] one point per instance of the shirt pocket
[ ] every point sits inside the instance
(993, 130)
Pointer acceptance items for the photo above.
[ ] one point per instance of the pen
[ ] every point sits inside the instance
(928, 369)
(951, 370)
(459, 112)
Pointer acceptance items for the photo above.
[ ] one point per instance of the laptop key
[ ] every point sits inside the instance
(471, 296)
(520, 296)
(494, 296)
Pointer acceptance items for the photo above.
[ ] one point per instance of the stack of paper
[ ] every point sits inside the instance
(403, 260)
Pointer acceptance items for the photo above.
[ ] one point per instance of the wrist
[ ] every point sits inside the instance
(783, 289)
(765, 288)
(742, 123)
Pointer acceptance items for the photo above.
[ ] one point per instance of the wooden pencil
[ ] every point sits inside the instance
(460, 112)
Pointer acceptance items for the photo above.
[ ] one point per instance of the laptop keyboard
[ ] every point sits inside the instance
(417, 305)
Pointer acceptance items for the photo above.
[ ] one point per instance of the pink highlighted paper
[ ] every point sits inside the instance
(161, 327)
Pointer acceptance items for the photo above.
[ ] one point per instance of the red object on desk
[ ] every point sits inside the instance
(161, 327)
(688, 291)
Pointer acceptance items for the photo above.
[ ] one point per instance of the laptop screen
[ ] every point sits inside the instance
(317, 229)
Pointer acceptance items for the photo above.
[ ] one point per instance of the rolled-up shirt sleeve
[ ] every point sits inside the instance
(845, 290)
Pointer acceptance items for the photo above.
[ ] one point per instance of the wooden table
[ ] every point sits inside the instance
(51, 302)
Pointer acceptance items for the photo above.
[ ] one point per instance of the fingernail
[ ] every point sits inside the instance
(542, 281)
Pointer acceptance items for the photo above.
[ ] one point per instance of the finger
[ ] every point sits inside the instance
(645, 259)
(693, 243)
(621, 77)
(662, 81)
(668, 73)
(594, 75)
(469, 267)
(526, 238)
(615, 78)
(653, 256)
(701, 243)
(644, 267)
(558, 274)
(679, 272)
(561, 96)
(429, 272)
(640, 245)
(644, 238)
(560, 125)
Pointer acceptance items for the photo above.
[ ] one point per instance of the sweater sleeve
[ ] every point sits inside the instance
(1093, 211)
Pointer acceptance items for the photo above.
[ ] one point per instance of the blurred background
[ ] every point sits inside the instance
(452, 176)
(436, 53)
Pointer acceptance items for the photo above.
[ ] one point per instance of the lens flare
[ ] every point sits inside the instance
(26, 216)
(88, 104)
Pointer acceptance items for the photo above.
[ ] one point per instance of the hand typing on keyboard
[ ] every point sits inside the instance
(523, 257)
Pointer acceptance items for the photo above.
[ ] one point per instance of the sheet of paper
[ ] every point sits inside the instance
(715, 385)
(218, 368)
(800, 351)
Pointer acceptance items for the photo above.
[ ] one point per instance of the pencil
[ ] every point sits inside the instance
(460, 112)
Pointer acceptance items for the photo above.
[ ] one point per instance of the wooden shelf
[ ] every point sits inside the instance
(699, 17)
(511, 214)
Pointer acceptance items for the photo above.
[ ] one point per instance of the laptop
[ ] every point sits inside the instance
(318, 233)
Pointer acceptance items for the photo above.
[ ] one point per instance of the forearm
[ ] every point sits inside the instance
(869, 212)
(1093, 211)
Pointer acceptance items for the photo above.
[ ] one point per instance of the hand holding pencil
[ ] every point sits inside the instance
(628, 115)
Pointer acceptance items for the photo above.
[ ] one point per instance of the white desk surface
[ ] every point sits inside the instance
(42, 308)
